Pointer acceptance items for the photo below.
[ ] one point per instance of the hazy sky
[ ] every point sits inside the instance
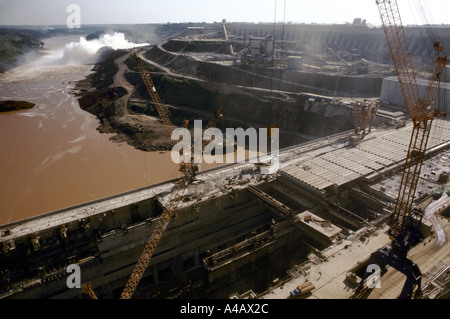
(53, 12)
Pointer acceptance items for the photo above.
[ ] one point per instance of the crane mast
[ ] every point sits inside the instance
(188, 171)
(405, 221)
(421, 110)
(160, 107)
(188, 174)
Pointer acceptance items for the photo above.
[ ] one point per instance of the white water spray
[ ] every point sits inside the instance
(90, 51)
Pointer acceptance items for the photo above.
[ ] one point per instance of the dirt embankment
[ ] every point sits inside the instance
(105, 93)
(116, 94)
(299, 116)
(321, 81)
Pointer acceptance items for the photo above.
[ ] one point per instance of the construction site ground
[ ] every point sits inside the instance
(329, 274)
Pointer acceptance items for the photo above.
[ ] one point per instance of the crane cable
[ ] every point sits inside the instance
(282, 43)
(274, 55)
(273, 58)
(428, 19)
(427, 25)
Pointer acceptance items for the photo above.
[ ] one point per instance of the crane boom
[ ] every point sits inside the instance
(160, 107)
(398, 47)
(188, 173)
(152, 243)
(421, 110)
(405, 221)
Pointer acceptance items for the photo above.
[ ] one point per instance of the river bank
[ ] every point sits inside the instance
(105, 93)
(53, 156)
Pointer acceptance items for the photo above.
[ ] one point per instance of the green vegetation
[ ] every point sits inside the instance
(143, 108)
(19, 40)
(14, 43)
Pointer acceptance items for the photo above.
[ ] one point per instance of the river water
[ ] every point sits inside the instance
(52, 156)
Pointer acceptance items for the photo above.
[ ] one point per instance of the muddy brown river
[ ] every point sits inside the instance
(52, 156)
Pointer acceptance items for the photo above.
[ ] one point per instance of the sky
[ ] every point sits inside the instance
(54, 12)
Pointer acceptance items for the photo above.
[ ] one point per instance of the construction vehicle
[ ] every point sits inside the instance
(302, 290)
(405, 222)
(323, 223)
(188, 171)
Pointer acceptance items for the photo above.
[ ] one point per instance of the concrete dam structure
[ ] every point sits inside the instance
(391, 93)
(237, 228)
(308, 216)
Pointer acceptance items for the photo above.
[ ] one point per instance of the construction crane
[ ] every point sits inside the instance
(405, 222)
(188, 171)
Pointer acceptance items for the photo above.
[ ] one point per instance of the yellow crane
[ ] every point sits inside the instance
(188, 174)
(168, 213)
(405, 222)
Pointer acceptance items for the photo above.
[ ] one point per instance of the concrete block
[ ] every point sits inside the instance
(392, 94)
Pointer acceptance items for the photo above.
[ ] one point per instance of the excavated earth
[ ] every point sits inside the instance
(115, 93)
(340, 64)
(105, 94)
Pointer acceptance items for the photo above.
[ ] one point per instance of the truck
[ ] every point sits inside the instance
(302, 289)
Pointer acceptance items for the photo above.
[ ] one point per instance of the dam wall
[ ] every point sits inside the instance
(391, 93)
(236, 227)
(370, 43)
(106, 237)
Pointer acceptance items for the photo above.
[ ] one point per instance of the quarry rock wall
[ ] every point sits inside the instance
(293, 81)
(247, 97)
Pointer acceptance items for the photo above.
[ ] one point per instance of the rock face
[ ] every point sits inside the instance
(300, 116)
(255, 104)
(339, 63)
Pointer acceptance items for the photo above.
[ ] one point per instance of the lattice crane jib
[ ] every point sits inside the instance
(188, 175)
(163, 112)
(421, 109)
(405, 221)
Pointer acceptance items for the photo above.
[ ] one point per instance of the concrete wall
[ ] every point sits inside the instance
(107, 256)
(370, 43)
(446, 75)
(392, 94)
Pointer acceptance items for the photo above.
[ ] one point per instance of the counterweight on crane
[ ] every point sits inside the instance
(405, 222)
